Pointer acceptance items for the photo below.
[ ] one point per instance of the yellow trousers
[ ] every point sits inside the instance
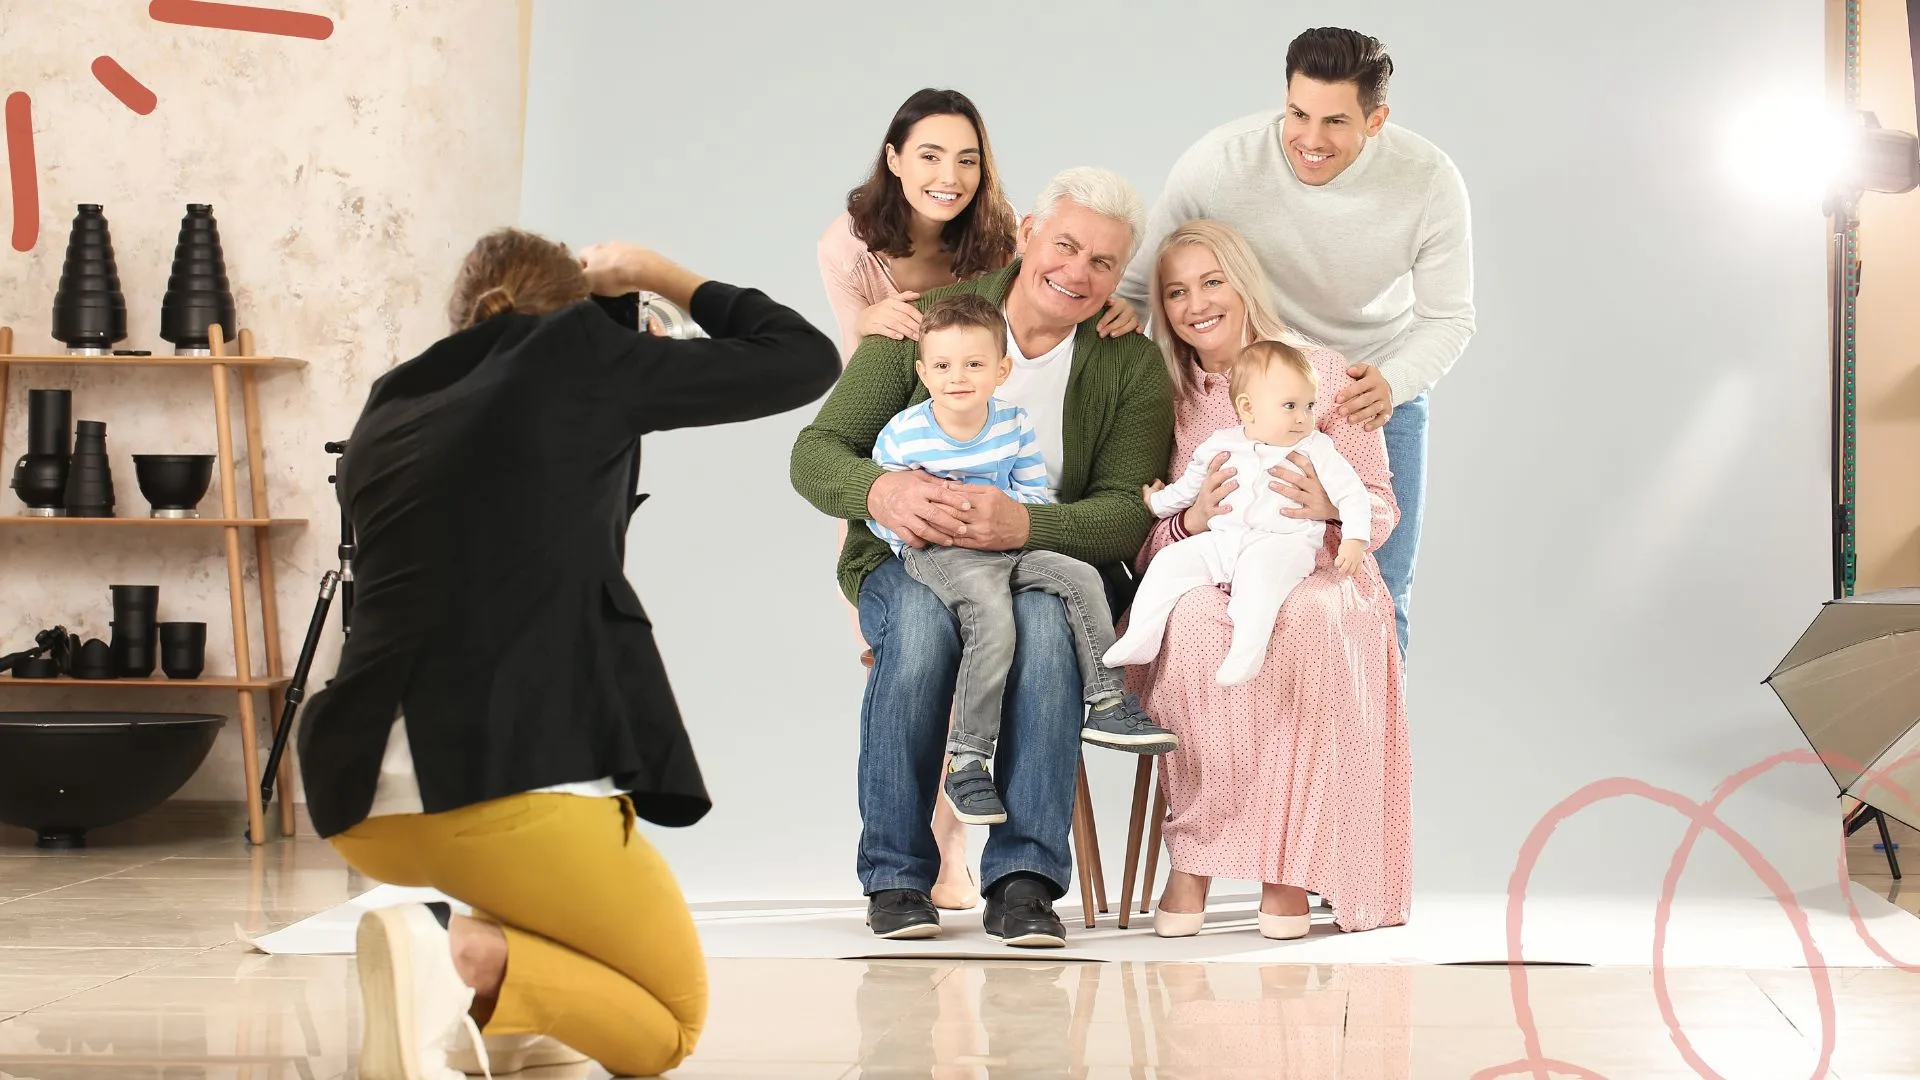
(601, 949)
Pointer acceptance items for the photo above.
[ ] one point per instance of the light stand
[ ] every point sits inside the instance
(340, 580)
(1842, 211)
(1884, 161)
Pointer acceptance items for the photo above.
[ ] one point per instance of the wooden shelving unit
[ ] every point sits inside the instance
(214, 682)
(256, 521)
(151, 523)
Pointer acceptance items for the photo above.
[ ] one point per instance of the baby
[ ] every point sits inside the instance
(962, 432)
(1253, 545)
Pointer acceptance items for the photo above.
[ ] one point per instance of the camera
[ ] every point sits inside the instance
(657, 311)
(650, 313)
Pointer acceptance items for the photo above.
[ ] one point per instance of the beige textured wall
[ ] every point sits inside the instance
(1888, 331)
(347, 176)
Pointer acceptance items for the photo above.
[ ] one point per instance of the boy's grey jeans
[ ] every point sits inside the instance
(978, 587)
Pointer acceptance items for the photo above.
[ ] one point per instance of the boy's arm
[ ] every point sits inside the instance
(1029, 479)
(887, 452)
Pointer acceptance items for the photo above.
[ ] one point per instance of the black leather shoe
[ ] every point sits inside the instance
(1020, 913)
(902, 913)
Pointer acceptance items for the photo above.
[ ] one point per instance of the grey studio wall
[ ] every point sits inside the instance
(1625, 523)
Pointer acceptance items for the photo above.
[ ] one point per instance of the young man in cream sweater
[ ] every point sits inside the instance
(1363, 228)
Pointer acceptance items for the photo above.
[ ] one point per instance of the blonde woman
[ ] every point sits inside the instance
(1299, 779)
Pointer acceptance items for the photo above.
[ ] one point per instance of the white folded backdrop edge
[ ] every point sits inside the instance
(1626, 513)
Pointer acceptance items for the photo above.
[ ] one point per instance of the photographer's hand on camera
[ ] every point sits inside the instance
(616, 267)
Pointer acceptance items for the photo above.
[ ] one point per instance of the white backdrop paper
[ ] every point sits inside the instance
(1626, 514)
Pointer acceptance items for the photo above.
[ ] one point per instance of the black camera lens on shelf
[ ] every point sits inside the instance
(136, 630)
(183, 649)
(93, 660)
(198, 294)
(89, 311)
(89, 476)
(50, 422)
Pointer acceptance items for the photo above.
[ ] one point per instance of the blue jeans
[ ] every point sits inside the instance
(979, 587)
(1406, 435)
(903, 735)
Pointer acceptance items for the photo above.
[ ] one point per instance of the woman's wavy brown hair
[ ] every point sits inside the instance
(981, 237)
(511, 270)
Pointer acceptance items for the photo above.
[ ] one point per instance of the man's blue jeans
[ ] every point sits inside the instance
(1406, 435)
(903, 735)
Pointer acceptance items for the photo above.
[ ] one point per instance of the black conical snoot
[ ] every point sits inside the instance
(89, 311)
(197, 291)
(89, 479)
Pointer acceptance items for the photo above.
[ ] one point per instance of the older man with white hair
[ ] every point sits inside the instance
(1103, 411)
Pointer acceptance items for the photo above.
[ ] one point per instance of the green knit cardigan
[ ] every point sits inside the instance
(1118, 420)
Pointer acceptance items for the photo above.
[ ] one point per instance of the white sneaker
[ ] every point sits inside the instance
(413, 1000)
(512, 1054)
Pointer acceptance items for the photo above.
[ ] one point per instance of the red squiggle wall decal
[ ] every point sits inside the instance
(256, 20)
(128, 89)
(21, 171)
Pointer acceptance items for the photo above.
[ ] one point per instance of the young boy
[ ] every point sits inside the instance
(962, 432)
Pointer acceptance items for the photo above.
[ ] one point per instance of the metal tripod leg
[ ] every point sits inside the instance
(297, 688)
(1858, 820)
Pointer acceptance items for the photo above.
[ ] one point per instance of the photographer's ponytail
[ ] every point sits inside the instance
(513, 271)
(495, 301)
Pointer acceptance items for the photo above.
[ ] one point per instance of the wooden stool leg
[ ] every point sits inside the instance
(1136, 823)
(1085, 800)
(1080, 861)
(1153, 846)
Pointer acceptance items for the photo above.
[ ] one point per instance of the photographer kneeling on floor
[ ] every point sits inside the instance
(501, 715)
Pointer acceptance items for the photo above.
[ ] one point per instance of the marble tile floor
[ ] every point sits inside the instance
(120, 963)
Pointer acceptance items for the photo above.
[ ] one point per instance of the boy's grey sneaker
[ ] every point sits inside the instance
(1123, 725)
(970, 791)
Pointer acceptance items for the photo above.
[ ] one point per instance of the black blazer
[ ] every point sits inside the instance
(489, 482)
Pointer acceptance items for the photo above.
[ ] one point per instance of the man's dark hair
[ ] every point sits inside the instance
(1330, 54)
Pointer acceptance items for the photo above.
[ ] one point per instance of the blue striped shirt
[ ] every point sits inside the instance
(1005, 455)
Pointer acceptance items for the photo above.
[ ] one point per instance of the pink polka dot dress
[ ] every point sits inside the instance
(1303, 776)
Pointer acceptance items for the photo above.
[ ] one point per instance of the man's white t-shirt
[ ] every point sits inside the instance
(1039, 385)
